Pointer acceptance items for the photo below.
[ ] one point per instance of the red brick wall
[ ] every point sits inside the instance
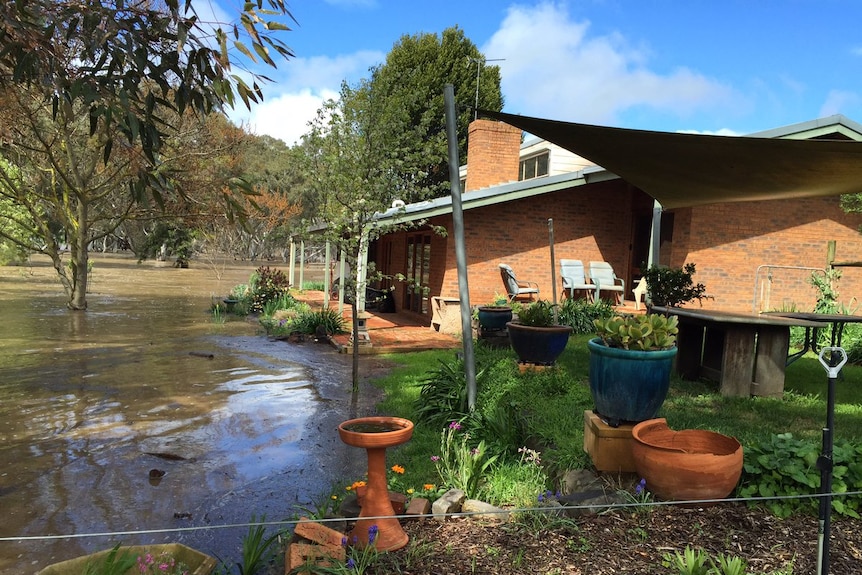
(516, 233)
(728, 242)
(493, 150)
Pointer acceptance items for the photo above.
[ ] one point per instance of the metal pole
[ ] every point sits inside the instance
(460, 249)
(326, 275)
(292, 267)
(824, 463)
(553, 267)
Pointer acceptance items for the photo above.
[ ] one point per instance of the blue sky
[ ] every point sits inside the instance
(706, 66)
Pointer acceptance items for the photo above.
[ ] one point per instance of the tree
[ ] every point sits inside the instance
(410, 82)
(54, 171)
(104, 76)
(350, 181)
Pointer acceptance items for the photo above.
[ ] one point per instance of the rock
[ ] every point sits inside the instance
(450, 502)
(579, 480)
(482, 510)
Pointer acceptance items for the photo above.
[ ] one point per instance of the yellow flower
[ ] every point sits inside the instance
(398, 469)
(410, 491)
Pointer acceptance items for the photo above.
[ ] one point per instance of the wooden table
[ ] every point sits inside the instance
(837, 320)
(745, 353)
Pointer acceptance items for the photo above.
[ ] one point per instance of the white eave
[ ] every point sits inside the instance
(496, 195)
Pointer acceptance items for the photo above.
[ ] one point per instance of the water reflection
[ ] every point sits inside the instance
(94, 401)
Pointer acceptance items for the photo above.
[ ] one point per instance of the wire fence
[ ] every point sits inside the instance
(604, 507)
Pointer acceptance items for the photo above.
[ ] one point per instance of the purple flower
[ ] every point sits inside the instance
(344, 541)
(351, 564)
(435, 458)
(455, 425)
(639, 488)
(372, 534)
(541, 497)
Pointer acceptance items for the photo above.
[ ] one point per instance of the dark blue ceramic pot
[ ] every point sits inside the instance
(539, 345)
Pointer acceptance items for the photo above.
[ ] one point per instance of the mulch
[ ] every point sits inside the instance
(625, 543)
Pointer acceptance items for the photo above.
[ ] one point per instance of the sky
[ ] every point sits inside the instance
(727, 67)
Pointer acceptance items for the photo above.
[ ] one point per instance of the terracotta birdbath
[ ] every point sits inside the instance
(375, 434)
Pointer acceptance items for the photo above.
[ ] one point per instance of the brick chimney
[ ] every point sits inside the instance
(493, 151)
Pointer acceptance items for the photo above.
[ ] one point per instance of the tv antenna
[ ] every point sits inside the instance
(479, 63)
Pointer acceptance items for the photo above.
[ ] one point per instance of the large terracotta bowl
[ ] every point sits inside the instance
(376, 431)
(687, 465)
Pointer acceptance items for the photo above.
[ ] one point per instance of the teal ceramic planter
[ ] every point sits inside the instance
(494, 317)
(628, 386)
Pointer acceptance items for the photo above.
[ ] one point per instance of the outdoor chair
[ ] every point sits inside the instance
(517, 289)
(604, 278)
(575, 278)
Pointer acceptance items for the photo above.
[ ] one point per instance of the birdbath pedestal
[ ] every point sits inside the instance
(375, 434)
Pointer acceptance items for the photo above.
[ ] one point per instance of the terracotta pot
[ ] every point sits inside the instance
(687, 465)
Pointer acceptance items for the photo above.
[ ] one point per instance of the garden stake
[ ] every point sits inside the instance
(824, 462)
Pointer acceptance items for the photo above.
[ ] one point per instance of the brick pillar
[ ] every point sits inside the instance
(493, 150)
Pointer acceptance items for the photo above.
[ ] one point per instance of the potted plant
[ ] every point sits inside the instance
(494, 316)
(536, 336)
(630, 366)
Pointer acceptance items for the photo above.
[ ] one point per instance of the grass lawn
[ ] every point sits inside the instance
(548, 407)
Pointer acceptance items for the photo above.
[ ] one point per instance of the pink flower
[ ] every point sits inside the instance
(455, 425)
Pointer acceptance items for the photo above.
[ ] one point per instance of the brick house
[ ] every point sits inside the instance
(750, 255)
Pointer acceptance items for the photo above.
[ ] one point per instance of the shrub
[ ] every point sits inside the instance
(266, 284)
(673, 286)
(327, 320)
(580, 314)
(538, 314)
(788, 466)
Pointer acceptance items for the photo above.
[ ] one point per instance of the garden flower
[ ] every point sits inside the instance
(372, 534)
(398, 469)
(435, 458)
(455, 425)
(640, 486)
(428, 487)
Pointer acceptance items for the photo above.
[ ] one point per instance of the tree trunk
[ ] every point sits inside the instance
(79, 258)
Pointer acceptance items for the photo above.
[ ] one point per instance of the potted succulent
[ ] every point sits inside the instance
(630, 366)
(536, 336)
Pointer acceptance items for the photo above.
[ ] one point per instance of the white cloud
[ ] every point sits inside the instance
(553, 67)
(298, 89)
(838, 102)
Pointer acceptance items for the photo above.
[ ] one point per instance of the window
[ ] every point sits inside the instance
(418, 272)
(534, 166)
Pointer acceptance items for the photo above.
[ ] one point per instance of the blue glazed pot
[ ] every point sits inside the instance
(494, 317)
(628, 386)
(539, 345)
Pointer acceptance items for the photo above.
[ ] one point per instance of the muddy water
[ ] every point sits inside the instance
(93, 402)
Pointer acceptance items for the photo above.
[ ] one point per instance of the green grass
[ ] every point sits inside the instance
(551, 405)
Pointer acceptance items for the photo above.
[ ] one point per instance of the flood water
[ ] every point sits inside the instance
(145, 380)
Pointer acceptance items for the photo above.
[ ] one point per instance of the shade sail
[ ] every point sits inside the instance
(681, 170)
